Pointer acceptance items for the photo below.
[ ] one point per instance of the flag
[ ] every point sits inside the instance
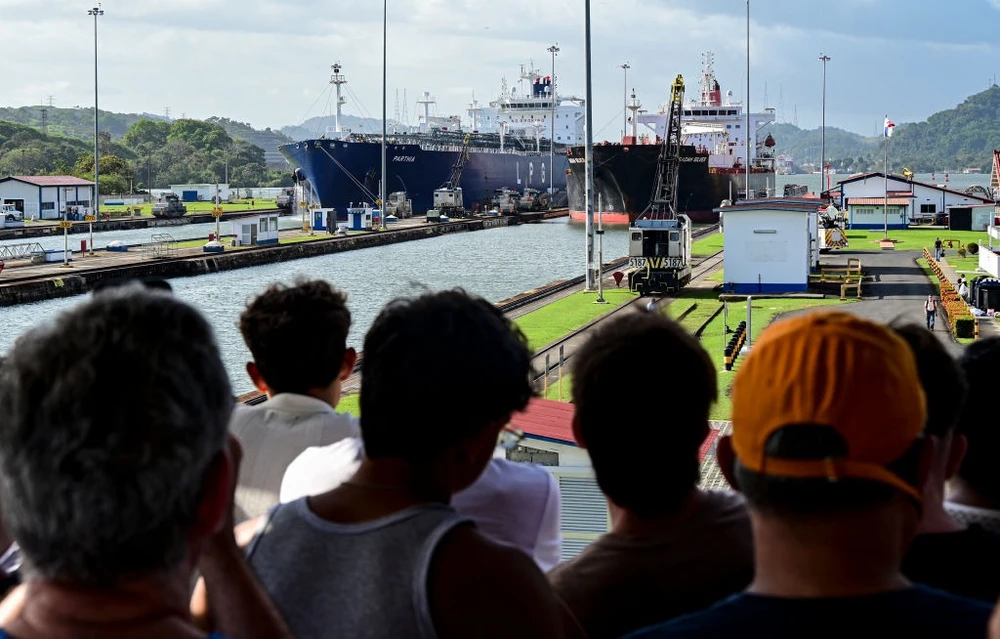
(887, 131)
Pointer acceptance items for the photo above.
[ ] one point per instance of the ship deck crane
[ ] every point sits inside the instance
(659, 238)
(448, 198)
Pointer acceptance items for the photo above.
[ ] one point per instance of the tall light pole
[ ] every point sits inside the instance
(625, 67)
(748, 133)
(385, 49)
(589, 155)
(822, 153)
(96, 209)
(554, 49)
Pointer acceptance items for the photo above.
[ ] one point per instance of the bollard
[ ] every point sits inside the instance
(545, 378)
(83, 246)
(975, 322)
(562, 362)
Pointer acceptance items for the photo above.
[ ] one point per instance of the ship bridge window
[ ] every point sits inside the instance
(713, 112)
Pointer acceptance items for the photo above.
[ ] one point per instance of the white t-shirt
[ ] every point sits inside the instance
(275, 433)
(511, 503)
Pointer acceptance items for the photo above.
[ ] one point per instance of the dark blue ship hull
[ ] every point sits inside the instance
(346, 172)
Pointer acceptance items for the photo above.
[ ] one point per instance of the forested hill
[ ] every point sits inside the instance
(79, 124)
(267, 139)
(954, 139)
(844, 149)
(74, 123)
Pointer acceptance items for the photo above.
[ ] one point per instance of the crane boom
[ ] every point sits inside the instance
(456, 170)
(663, 200)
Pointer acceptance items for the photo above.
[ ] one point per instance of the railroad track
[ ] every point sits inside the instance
(549, 359)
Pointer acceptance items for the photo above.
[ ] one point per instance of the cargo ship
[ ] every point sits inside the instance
(713, 153)
(517, 142)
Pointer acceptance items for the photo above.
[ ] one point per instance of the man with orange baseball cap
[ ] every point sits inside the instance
(827, 447)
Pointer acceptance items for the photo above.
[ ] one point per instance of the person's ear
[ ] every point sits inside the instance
(726, 459)
(256, 377)
(349, 361)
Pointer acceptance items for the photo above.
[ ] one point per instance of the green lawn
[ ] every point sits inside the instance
(350, 404)
(561, 317)
(910, 239)
(707, 245)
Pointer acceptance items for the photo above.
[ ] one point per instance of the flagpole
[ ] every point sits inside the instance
(885, 174)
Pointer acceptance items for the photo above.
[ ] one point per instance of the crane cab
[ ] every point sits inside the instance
(659, 255)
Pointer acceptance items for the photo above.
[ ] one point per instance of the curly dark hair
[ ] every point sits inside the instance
(276, 323)
(438, 368)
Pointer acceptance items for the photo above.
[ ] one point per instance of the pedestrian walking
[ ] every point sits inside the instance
(937, 248)
(930, 309)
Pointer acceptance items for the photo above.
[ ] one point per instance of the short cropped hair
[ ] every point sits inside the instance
(297, 335)
(979, 469)
(643, 388)
(791, 497)
(438, 368)
(940, 375)
(109, 420)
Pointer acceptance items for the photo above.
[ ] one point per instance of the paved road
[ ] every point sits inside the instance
(896, 293)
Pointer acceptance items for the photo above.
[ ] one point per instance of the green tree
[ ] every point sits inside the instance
(146, 136)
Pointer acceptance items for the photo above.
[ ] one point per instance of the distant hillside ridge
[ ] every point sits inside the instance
(954, 139)
(316, 127)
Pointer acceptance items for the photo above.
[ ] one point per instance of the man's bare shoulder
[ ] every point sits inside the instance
(470, 575)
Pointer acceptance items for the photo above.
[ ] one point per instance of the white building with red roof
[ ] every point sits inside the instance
(46, 197)
(864, 199)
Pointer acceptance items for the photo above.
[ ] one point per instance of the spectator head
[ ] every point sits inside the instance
(441, 376)
(151, 282)
(945, 388)
(979, 470)
(298, 338)
(828, 414)
(113, 425)
(654, 478)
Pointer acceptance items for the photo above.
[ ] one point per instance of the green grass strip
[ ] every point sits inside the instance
(558, 319)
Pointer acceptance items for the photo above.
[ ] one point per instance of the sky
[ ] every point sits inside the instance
(267, 62)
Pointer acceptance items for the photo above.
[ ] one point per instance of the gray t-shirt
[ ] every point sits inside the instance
(619, 584)
(365, 580)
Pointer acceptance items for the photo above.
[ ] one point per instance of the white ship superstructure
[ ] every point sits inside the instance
(526, 110)
(718, 128)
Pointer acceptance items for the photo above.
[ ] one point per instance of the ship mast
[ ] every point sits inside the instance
(634, 105)
(427, 101)
(338, 80)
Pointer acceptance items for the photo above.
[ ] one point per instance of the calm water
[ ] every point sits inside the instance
(496, 264)
(143, 236)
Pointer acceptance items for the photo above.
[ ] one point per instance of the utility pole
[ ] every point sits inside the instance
(748, 133)
(589, 125)
(96, 209)
(554, 49)
(625, 67)
(385, 49)
(822, 160)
